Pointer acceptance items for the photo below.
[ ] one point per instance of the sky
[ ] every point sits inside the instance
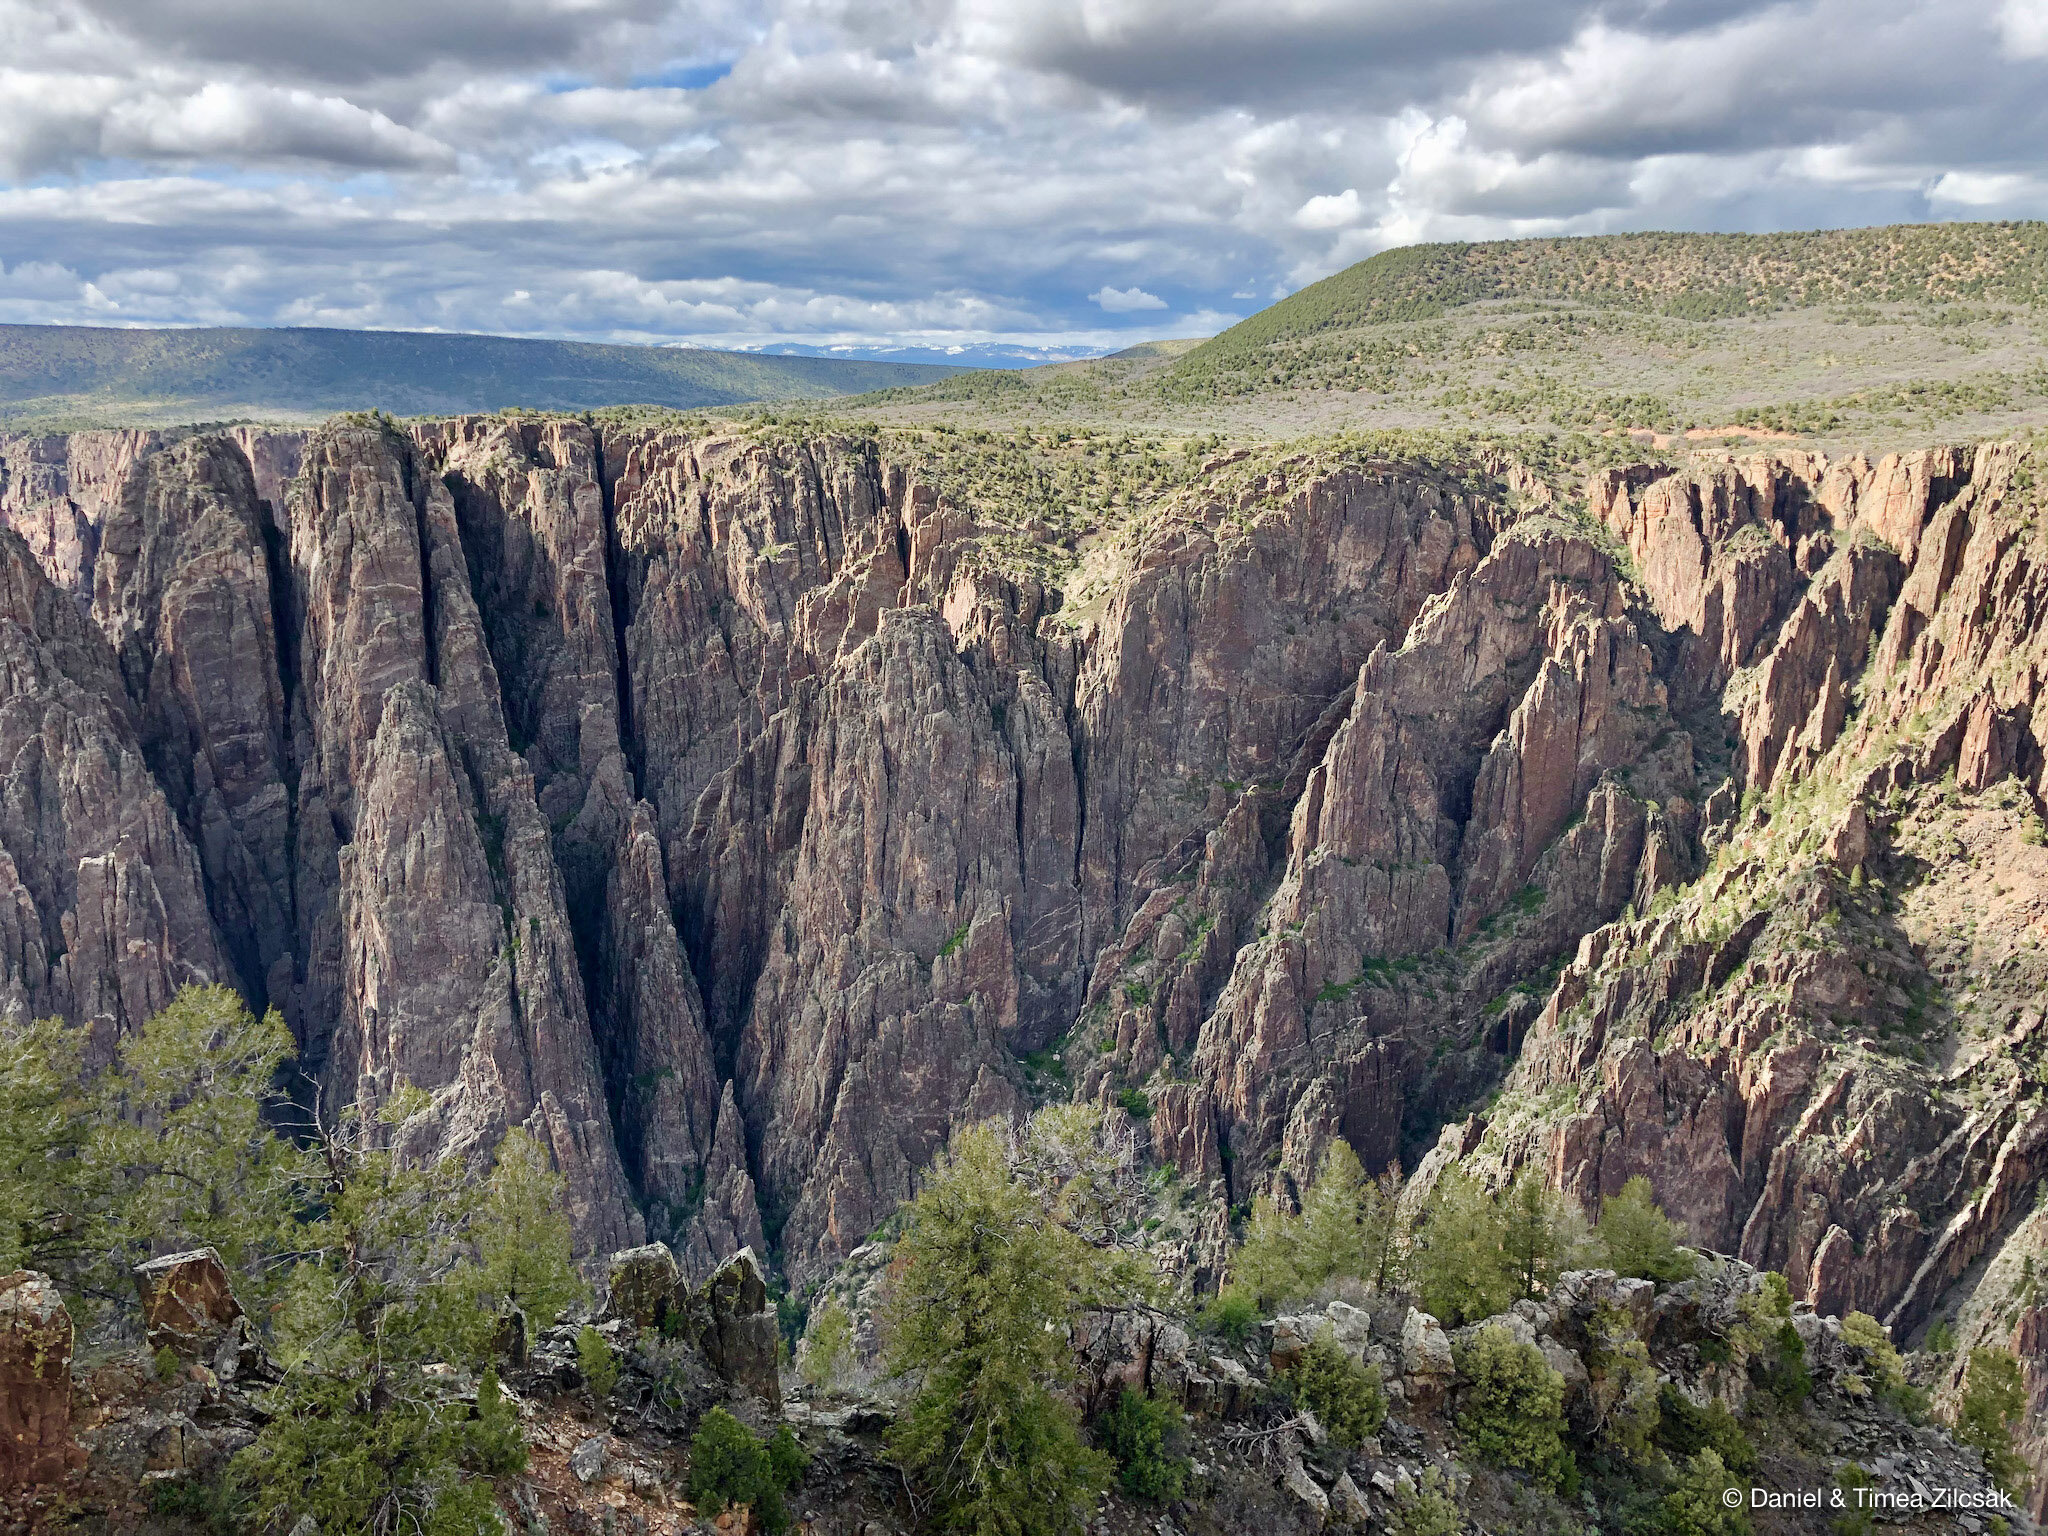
(938, 173)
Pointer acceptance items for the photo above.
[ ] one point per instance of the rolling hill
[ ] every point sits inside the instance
(1908, 333)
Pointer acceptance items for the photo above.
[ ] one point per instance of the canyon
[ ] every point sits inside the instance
(742, 810)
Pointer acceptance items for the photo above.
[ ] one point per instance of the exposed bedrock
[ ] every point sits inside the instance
(1826, 1053)
(733, 812)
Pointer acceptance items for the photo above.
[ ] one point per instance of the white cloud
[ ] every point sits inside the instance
(1120, 301)
(943, 172)
(258, 124)
(1978, 189)
(2023, 26)
(1339, 211)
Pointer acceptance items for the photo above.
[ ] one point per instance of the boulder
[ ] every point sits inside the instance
(640, 1285)
(1350, 1327)
(1427, 1368)
(1220, 1387)
(188, 1302)
(1513, 1324)
(1297, 1482)
(1292, 1336)
(1347, 1504)
(35, 1382)
(736, 1326)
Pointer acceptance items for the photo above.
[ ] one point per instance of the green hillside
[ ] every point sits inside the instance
(85, 372)
(1691, 276)
(1906, 333)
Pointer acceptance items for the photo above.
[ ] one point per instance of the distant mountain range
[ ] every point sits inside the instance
(981, 355)
(68, 373)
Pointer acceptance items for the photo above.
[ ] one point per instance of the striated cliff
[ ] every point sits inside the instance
(741, 814)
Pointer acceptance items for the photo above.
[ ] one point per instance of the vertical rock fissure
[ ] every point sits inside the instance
(430, 629)
(619, 596)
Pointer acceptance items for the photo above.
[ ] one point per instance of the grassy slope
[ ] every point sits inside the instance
(1841, 338)
(1698, 277)
(90, 372)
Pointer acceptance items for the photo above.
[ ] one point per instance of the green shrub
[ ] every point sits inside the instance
(1132, 1101)
(1622, 1386)
(210, 1505)
(1697, 1505)
(1684, 1428)
(1429, 1510)
(1785, 1371)
(1857, 1518)
(595, 1359)
(1512, 1412)
(1887, 1371)
(831, 1345)
(1638, 1240)
(731, 1467)
(788, 1461)
(1233, 1315)
(1146, 1436)
(1753, 1337)
(1994, 1397)
(1345, 1396)
(499, 1443)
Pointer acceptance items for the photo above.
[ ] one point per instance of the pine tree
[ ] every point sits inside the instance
(359, 1437)
(1637, 1239)
(991, 1272)
(187, 1128)
(1463, 1268)
(523, 1238)
(1387, 1238)
(1348, 1228)
(48, 1216)
(1542, 1233)
(1994, 1399)
(1329, 1238)
(174, 1146)
(1264, 1266)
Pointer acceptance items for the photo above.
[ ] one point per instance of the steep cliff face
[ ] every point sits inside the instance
(1827, 1052)
(102, 904)
(739, 814)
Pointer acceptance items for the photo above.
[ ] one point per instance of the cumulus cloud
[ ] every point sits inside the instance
(1328, 211)
(369, 39)
(1119, 301)
(943, 172)
(259, 124)
(2023, 25)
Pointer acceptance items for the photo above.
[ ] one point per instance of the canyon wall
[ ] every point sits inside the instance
(731, 813)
